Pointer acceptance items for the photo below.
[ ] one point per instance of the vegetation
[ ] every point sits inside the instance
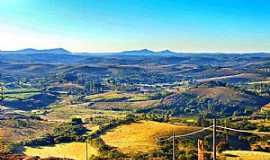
(247, 155)
(66, 132)
(105, 151)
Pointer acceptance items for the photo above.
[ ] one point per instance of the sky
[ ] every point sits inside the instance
(118, 25)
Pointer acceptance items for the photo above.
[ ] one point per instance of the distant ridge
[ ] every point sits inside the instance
(36, 51)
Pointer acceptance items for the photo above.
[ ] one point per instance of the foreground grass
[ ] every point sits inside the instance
(246, 155)
(74, 150)
(141, 136)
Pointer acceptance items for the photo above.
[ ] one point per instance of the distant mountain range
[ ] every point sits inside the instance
(60, 55)
(142, 52)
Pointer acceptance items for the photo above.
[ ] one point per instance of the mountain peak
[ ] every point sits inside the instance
(55, 51)
(166, 51)
(145, 50)
(27, 50)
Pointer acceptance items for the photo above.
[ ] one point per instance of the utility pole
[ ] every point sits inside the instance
(173, 146)
(214, 139)
(86, 150)
(226, 132)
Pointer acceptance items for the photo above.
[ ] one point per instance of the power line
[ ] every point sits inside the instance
(213, 128)
(243, 131)
(188, 134)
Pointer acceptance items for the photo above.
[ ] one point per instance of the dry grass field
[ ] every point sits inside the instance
(246, 155)
(108, 96)
(75, 150)
(141, 136)
(56, 114)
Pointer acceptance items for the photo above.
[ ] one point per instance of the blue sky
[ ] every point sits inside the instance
(116, 25)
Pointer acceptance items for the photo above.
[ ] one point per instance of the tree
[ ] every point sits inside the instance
(76, 121)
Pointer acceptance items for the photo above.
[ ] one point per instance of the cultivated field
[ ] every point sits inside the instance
(125, 105)
(75, 150)
(246, 155)
(116, 96)
(56, 113)
(141, 136)
(20, 93)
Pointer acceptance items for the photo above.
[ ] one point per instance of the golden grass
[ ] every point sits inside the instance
(247, 155)
(107, 96)
(266, 107)
(141, 136)
(74, 150)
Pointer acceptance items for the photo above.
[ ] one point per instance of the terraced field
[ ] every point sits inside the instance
(75, 150)
(141, 136)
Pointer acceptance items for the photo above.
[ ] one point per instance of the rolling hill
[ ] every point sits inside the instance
(213, 97)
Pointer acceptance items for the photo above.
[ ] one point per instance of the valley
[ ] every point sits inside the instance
(53, 102)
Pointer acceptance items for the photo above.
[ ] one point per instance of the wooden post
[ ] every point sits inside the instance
(86, 150)
(214, 139)
(173, 146)
(200, 149)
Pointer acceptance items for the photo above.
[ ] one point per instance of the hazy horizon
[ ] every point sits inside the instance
(115, 26)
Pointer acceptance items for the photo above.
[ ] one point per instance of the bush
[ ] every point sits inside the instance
(65, 132)
(76, 121)
(263, 128)
(106, 152)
